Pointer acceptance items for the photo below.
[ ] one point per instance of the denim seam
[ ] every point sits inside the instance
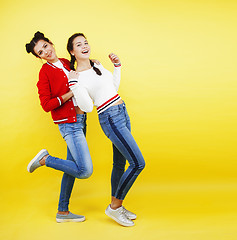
(121, 138)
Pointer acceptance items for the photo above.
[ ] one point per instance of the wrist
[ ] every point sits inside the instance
(117, 64)
(60, 100)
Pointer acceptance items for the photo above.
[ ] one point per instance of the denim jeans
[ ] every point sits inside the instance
(115, 123)
(78, 163)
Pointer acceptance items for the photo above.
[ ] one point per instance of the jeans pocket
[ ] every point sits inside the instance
(114, 114)
(117, 118)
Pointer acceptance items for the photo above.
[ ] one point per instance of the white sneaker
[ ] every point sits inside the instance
(34, 163)
(129, 214)
(119, 216)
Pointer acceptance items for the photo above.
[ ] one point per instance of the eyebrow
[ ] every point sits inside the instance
(40, 49)
(80, 42)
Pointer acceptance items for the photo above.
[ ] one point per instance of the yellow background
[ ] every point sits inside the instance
(179, 83)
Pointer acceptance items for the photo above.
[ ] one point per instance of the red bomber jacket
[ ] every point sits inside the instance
(52, 84)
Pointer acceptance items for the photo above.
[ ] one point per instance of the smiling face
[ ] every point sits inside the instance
(81, 48)
(46, 51)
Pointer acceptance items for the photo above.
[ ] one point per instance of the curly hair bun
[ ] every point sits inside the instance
(28, 47)
(39, 35)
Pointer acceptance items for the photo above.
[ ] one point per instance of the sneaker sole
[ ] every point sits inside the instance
(131, 218)
(33, 160)
(60, 220)
(116, 220)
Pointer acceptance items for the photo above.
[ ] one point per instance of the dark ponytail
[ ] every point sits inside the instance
(97, 70)
(30, 46)
(72, 62)
(73, 59)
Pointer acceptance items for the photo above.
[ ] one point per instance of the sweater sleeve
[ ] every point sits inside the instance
(117, 76)
(47, 102)
(81, 95)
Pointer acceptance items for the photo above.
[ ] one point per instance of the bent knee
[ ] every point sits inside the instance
(85, 173)
(141, 165)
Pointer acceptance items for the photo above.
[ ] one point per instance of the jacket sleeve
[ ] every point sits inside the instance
(47, 102)
(81, 95)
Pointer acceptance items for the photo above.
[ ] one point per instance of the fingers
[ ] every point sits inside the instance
(114, 58)
(73, 74)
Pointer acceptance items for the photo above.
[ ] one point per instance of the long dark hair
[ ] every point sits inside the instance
(37, 36)
(73, 58)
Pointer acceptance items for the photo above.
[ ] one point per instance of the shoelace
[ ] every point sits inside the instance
(122, 213)
(126, 212)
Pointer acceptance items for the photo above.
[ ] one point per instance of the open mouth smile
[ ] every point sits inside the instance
(85, 51)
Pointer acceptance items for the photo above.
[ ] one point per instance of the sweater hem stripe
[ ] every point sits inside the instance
(108, 103)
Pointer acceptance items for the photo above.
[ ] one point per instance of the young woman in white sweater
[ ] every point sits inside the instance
(92, 84)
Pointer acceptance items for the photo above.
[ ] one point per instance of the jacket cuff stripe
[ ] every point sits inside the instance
(60, 102)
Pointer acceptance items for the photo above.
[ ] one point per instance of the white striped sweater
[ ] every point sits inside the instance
(91, 89)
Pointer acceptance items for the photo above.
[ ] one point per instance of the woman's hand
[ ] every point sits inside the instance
(114, 58)
(73, 75)
(67, 96)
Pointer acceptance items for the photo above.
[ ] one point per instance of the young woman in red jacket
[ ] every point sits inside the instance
(56, 97)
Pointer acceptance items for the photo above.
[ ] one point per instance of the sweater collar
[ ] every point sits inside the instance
(50, 64)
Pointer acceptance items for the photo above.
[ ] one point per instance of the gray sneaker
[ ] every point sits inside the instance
(34, 163)
(129, 214)
(60, 218)
(119, 216)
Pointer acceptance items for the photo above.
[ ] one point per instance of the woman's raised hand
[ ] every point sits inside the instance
(114, 58)
(73, 75)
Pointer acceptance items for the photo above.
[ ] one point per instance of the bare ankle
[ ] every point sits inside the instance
(116, 203)
(63, 212)
(114, 206)
(42, 161)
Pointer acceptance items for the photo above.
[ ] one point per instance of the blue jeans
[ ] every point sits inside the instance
(78, 163)
(115, 123)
